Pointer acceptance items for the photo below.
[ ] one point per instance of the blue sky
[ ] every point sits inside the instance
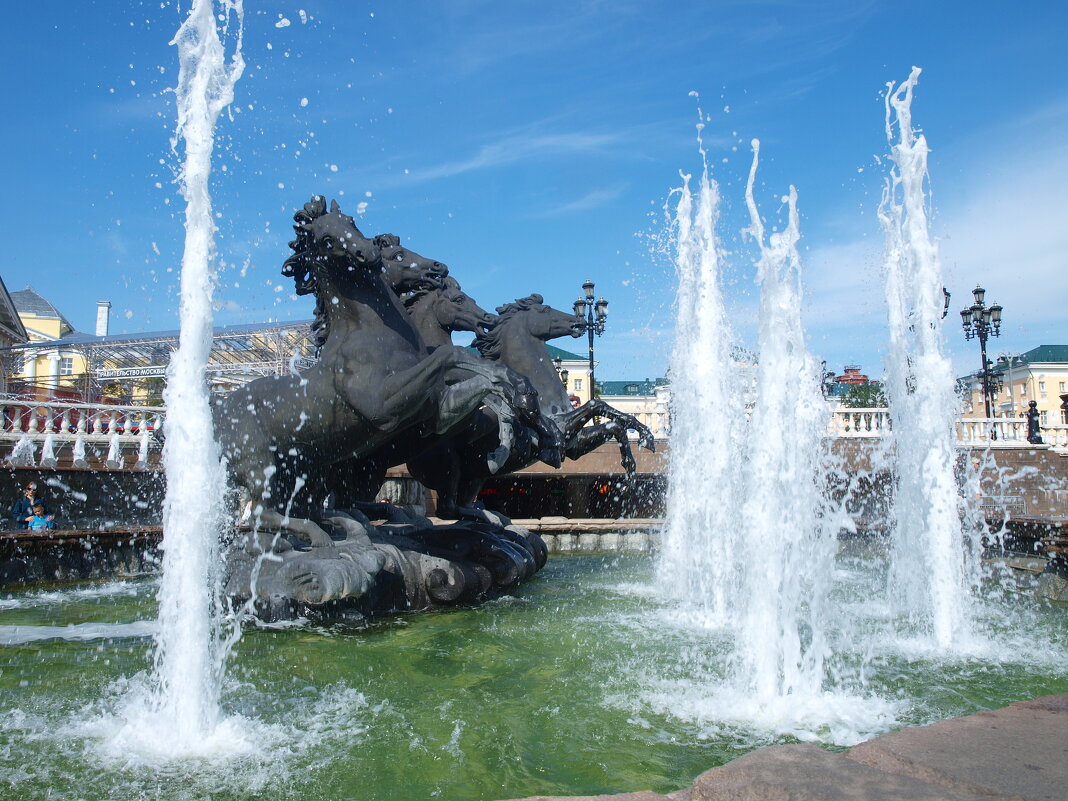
(530, 145)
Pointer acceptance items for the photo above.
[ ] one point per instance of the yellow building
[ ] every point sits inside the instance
(131, 368)
(574, 371)
(647, 400)
(1040, 375)
(47, 364)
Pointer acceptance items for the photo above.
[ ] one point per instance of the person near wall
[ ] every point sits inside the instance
(40, 521)
(22, 511)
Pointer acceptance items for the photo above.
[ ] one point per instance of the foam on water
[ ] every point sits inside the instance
(70, 595)
(19, 635)
(240, 757)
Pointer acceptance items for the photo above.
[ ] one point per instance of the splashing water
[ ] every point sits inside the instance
(750, 538)
(791, 554)
(705, 388)
(933, 565)
(179, 715)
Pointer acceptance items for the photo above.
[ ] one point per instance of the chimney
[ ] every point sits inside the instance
(103, 310)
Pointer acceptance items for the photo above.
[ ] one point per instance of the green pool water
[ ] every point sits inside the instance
(583, 682)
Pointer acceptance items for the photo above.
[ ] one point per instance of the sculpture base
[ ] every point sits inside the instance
(396, 567)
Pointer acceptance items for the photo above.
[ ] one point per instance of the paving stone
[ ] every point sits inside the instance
(808, 773)
(1018, 752)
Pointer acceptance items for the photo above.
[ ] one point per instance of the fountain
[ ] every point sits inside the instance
(933, 564)
(586, 679)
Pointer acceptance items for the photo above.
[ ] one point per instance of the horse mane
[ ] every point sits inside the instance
(299, 265)
(448, 284)
(489, 341)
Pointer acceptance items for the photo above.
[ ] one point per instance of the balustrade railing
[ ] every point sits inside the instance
(54, 424)
(26, 423)
(860, 423)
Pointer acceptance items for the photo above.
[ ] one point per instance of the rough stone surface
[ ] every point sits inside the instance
(1019, 752)
(808, 773)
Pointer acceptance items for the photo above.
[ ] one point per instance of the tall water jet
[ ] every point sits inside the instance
(707, 413)
(185, 705)
(928, 577)
(790, 552)
(750, 538)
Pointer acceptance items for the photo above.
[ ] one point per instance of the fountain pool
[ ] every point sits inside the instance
(585, 681)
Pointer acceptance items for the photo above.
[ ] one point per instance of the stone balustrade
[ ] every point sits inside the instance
(850, 423)
(32, 432)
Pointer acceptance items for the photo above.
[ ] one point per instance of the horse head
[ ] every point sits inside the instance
(527, 319)
(541, 321)
(328, 248)
(450, 307)
(405, 270)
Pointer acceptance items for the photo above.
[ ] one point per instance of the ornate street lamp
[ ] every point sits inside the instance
(594, 314)
(981, 322)
(561, 371)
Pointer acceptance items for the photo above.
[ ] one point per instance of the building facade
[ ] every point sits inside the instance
(54, 360)
(647, 400)
(44, 363)
(1040, 375)
(12, 332)
(574, 372)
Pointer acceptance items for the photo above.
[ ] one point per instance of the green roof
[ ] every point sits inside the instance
(1043, 354)
(567, 356)
(643, 387)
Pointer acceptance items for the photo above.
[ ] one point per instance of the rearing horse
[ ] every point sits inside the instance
(517, 339)
(373, 382)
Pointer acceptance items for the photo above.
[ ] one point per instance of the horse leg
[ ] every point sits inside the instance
(591, 437)
(303, 528)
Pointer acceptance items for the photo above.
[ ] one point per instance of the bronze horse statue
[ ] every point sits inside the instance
(516, 337)
(375, 381)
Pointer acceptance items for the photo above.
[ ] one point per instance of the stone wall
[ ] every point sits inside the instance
(1027, 482)
(86, 498)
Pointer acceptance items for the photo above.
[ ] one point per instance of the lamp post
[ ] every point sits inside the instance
(594, 314)
(981, 322)
(561, 371)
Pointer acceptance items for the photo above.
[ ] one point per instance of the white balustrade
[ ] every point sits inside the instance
(22, 419)
(65, 422)
(860, 422)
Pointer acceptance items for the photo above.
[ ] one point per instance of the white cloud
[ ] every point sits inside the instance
(519, 147)
(591, 200)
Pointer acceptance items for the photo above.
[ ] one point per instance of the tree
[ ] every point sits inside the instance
(868, 395)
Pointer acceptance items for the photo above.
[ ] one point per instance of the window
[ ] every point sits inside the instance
(1061, 387)
(1043, 418)
(578, 385)
(66, 365)
(1041, 386)
(1023, 389)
